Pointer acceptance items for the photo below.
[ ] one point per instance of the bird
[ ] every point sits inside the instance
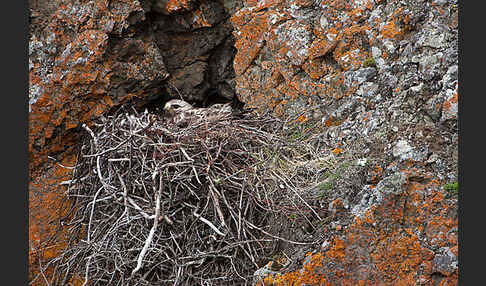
(175, 106)
(183, 113)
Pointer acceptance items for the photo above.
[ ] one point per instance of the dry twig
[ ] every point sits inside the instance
(207, 218)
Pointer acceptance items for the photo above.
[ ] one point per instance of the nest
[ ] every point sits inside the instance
(158, 204)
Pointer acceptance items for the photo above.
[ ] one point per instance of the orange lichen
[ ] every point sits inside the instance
(46, 204)
(200, 17)
(398, 253)
(315, 68)
(376, 174)
(249, 43)
(302, 118)
(321, 47)
(332, 122)
(366, 116)
(260, 5)
(178, 5)
(309, 276)
(449, 102)
(337, 151)
(350, 51)
(390, 30)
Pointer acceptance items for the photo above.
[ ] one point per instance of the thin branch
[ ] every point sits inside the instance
(152, 230)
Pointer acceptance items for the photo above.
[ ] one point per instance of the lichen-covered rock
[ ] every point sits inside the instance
(445, 261)
(76, 76)
(402, 240)
(381, 77)
(290, 52)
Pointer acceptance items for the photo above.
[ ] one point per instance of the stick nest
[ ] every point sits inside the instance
(158, 204)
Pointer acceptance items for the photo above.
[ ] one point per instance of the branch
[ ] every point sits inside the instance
(152, 231)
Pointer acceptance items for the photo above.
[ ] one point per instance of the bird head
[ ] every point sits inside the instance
(176, 105)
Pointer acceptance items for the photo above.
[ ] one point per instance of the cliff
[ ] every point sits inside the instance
(378, 77)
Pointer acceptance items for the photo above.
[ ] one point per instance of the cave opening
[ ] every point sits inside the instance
(198, 56)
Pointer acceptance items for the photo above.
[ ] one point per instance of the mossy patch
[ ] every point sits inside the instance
(326, 186)
(452, 188)
(369, 62)
(332, 177)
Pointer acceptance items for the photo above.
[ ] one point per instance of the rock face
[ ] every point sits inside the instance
(381, 76)
(87, 58)
(94, 55)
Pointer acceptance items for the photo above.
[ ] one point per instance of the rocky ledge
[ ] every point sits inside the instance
(379, 77)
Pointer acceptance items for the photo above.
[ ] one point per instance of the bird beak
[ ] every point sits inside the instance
(166, 107)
